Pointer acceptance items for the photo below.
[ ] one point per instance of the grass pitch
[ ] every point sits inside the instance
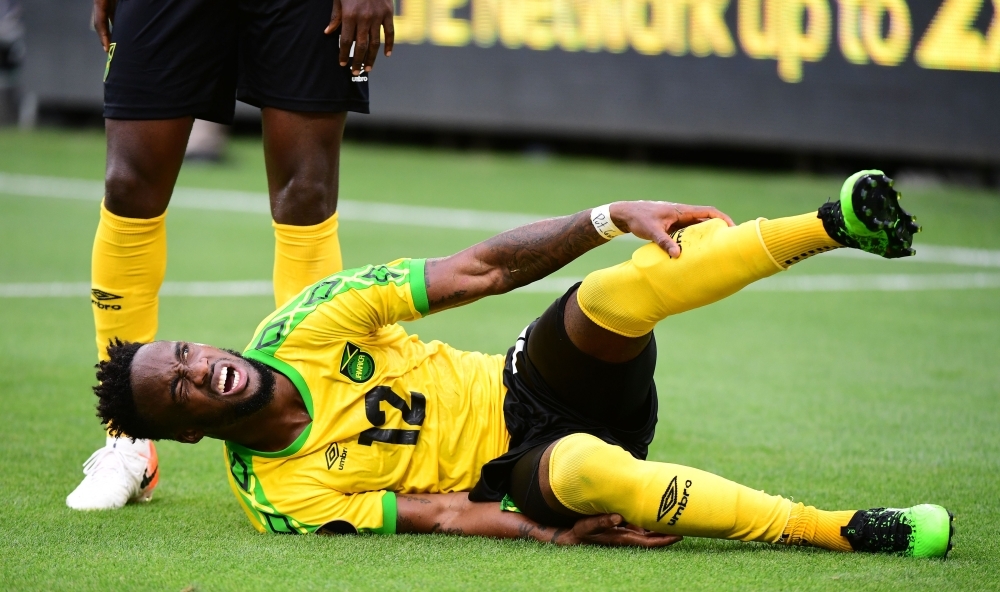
(841, 400)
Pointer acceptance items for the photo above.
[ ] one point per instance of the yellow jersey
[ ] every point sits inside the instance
(390, 413)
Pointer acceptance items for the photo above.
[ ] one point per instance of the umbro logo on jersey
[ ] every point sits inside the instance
(335, 453)
(360, 78)
(357, 365)
(100, 297)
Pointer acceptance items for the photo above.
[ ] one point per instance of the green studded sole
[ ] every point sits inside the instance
(873, 216)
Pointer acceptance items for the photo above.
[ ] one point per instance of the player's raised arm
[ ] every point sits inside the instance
(453, 513)
(528, 253)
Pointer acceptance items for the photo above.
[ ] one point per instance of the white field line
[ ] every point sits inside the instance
(557, 285)
(82, 289)
(257, 203)
(386, 213)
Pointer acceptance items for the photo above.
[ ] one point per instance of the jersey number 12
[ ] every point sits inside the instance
(411, 415)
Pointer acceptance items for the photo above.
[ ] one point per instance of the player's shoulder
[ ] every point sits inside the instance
(357, 281)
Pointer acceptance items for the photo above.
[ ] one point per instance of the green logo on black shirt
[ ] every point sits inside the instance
(355, 364)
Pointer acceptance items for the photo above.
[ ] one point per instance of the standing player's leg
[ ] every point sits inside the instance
(130, 250)
(128, 262)
(302, 156)
(291, 70)
(611, 319)
(169, 62)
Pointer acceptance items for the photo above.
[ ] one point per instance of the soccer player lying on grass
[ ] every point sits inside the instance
(337, 421)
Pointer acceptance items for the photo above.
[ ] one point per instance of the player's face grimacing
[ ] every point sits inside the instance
(193, 389)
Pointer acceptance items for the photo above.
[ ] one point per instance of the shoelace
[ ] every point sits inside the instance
(879, 530)
(104, 459)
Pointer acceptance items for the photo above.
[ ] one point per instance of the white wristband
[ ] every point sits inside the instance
(601, 219)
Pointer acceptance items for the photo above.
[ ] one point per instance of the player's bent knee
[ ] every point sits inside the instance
(589, 476)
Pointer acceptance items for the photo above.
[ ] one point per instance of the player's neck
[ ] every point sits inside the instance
(274, 427)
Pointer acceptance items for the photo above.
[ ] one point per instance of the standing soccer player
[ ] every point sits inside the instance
(305, 64)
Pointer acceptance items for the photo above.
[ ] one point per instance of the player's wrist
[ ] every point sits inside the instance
(607, 223)
(619, 215)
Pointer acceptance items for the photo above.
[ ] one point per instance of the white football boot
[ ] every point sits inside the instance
(122, 471)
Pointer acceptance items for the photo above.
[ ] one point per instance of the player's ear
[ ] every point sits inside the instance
(190, 436)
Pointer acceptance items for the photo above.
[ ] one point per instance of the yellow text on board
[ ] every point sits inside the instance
(791, 32)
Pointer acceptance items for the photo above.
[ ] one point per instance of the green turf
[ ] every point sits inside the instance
(842, 400)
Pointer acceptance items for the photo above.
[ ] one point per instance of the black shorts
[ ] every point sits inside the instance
(554, 390)
(173, 58)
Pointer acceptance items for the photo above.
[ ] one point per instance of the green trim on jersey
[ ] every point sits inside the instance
(389, 513)
(252, 493)
(418, 286)
(282, 322)
(301, 386)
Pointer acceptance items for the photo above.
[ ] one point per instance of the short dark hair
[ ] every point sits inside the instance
(116, 402)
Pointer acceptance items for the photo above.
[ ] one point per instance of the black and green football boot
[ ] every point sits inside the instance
(868, 217)
(921, 531)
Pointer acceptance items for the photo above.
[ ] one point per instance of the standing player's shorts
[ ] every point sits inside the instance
(554, 390)
(176, 58)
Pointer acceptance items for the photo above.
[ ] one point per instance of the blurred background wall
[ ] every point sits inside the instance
(895, 78)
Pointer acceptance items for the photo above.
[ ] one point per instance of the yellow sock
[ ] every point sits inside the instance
(304, 255)
(590, 476)
(817, 528)
(716, 261)
(794, 239)
(127, 267)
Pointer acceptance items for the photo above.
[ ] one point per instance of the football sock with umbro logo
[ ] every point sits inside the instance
(590, 476)
(303, 255)
(127, 267)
